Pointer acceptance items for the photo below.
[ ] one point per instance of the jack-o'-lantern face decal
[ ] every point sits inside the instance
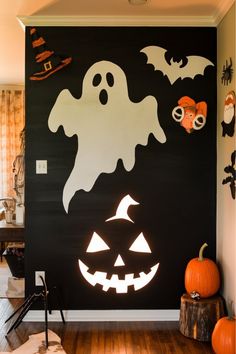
(112, 264)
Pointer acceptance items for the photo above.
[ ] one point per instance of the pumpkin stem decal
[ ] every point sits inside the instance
(116, 281)
(122, 210)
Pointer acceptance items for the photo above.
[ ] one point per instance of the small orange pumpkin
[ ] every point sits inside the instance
(223, 336)
(202, 275)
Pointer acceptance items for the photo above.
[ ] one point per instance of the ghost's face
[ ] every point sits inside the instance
(105, 83)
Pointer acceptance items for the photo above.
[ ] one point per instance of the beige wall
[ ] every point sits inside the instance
(226, 205)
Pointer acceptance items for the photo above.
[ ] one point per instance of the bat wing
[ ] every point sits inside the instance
(195, 65)
(156, 57)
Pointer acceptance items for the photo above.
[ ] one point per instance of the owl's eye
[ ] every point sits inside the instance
(140, 245)
(97, 244)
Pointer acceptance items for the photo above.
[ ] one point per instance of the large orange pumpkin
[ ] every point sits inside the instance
(223, 336)
(202, 275)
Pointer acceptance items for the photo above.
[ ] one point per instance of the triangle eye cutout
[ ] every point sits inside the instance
(140, 245)
(97, 244)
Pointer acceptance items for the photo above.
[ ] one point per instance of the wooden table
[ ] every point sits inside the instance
(11, 233)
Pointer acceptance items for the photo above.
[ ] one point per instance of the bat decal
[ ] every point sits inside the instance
(194, 65)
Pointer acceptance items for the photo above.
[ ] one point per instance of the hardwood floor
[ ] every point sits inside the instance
(103, 337)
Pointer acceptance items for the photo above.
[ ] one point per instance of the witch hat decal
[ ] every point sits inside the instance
(48, 62)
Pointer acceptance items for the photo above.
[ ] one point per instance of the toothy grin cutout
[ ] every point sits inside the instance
(120, 285)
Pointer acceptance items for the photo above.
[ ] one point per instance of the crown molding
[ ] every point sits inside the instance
(222, 10)
(138, 21)
(154, 21)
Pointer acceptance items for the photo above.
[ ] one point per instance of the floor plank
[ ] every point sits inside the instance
(103, 337)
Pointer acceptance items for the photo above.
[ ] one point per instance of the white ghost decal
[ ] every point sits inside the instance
(109, 126)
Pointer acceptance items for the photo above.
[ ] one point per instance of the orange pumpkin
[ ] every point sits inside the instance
(223, 336)
(202, 275)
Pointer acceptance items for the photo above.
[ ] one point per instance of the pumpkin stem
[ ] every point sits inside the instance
(200, 258)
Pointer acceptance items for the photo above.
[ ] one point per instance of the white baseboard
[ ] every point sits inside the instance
(104, 315)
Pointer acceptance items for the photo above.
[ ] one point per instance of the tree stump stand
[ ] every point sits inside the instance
(198, 317)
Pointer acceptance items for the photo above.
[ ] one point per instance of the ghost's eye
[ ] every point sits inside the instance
(97, 79)
(110, 79)
(97, 244)
(140, 245)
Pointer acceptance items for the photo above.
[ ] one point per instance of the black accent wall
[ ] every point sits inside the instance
(174, 182)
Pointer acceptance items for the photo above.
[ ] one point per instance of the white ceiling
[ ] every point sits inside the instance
(74, 12)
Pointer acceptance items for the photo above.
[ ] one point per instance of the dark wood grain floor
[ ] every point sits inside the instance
(103, 337)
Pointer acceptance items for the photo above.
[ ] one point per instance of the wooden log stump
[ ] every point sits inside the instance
(198, 317)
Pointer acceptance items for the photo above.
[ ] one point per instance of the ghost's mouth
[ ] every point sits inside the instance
(120, 285)
(103, 97)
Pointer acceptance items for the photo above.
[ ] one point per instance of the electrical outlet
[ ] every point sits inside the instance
(41, 167)
(38, 280)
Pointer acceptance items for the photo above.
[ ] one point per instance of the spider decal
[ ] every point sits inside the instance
(227, 73)
(231, 179)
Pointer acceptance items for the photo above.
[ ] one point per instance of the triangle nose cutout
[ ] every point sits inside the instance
(119, 262)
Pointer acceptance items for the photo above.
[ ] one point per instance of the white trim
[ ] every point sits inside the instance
(104, 315)
(169, 21)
